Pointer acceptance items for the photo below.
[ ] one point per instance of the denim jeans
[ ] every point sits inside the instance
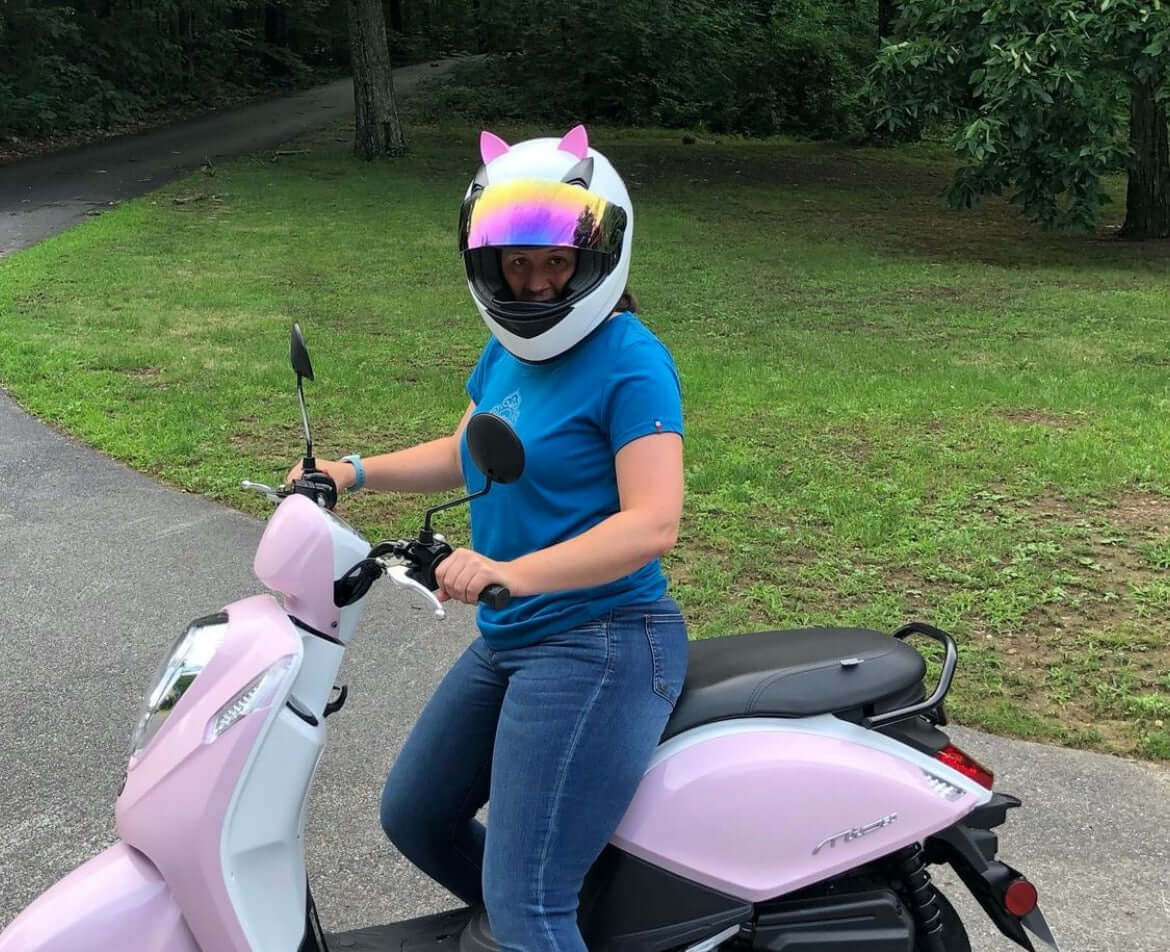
(557, 735)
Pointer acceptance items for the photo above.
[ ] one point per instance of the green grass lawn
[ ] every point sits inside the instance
(894, 411)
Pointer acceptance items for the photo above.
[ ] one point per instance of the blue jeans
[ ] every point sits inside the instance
(557, 735)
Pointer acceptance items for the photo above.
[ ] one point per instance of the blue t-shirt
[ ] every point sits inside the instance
(572, 414)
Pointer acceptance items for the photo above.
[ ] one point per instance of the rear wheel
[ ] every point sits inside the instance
(954, 934)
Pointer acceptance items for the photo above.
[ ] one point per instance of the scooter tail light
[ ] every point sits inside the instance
(1020, 898)
(967, 765)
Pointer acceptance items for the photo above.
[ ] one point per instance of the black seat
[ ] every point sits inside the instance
(850, 672)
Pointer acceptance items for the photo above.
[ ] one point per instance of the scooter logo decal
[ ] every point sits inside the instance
(855, 833)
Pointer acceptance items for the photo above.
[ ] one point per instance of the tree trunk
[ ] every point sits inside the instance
(1147, 197)
(377, 128)
(887, 11)
(477, 19)
(275, 24)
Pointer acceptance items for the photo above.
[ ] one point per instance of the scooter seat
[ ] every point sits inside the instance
(850, 672)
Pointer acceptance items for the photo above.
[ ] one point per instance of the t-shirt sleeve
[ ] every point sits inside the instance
(479, 371)
(644, 394)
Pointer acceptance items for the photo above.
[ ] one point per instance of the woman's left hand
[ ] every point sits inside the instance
(464, 574)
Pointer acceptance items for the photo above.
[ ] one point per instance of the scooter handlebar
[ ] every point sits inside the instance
(318, 486)
(495, 596)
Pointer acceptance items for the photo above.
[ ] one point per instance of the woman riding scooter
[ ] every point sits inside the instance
(553, 712)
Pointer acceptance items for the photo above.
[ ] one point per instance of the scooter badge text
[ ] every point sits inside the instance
(855, 833)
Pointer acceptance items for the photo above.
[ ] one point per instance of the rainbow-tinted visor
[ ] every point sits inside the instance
(536, 213)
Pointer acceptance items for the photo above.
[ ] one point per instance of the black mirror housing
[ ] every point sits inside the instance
(299, 354)
(495, 448)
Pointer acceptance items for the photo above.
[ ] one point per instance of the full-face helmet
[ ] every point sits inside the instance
(546, 193)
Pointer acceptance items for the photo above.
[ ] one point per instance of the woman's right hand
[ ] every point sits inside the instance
(342, 473)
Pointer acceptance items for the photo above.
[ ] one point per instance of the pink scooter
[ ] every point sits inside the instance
(799, 793)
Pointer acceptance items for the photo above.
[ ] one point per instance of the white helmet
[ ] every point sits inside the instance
(546, 193)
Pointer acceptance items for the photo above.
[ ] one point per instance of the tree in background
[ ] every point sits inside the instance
(1050, 96)
(377, 128)
(746, 66)
(723, 66)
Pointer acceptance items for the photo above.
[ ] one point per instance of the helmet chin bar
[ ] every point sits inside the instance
(529, 319)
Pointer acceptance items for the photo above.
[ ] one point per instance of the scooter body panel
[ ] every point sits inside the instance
(185, 798)
(117, 900)
(760, 807)
(304, 549)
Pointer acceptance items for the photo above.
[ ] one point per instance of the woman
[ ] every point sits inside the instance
(553, 712)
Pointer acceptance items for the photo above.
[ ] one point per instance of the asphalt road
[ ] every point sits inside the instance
(41, 196)
(100, 568)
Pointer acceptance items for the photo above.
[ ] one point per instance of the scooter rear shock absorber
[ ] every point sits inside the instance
(920, 897)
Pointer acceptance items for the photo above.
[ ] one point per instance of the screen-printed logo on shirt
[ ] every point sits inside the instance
(509, 407)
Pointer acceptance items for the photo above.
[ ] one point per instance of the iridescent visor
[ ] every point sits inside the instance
(541, 214)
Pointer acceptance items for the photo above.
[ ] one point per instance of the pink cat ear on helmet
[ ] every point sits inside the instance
(491, 146)
(575, 142)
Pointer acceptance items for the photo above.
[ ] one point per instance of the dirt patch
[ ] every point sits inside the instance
(919, 591)
(1085, 663)
(860, 450)
(1038, 418)
(1146, 512)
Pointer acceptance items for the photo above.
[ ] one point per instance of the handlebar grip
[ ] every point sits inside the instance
(495, 596)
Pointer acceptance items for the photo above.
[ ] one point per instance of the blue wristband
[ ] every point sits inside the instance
(356, 461)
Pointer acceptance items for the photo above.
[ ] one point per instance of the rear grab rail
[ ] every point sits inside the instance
(934, 702)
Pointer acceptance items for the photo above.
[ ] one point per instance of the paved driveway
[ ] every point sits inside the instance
(42, 196)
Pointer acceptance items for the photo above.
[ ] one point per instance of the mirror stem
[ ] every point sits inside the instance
(309, 462)
(426, 536)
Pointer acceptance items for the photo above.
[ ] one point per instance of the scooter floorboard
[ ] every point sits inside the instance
(436, 932)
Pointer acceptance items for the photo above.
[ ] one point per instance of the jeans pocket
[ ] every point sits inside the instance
(665, 632)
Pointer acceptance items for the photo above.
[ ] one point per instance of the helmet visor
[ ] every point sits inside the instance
(535, 213)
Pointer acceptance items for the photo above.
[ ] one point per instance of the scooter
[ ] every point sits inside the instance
(800, 791)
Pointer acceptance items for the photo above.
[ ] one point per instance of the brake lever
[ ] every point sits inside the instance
(270, 491)
(397, 575)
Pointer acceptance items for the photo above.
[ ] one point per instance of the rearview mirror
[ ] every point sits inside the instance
(495, 448)
(299, 354)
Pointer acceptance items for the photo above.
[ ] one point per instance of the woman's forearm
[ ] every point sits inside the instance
(621, 544)
(427, 468)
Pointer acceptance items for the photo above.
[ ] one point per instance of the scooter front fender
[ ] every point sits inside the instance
(117, 900)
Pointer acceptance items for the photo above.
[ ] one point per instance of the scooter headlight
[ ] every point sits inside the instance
(190, 653)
